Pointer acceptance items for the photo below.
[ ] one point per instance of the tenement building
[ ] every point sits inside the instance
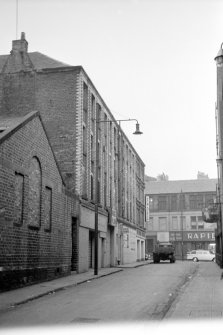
(72, 113)
(174, 213)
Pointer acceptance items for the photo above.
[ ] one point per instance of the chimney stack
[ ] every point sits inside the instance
(20, 45)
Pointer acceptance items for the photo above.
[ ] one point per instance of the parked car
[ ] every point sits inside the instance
(148, 257)
(200, 255)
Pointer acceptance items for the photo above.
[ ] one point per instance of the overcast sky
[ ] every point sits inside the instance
(151, 60)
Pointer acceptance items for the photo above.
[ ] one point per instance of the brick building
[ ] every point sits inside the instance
(69, 103)
(36, 214)
(174, 212)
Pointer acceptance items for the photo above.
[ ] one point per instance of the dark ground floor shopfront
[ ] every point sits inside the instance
(183, 241)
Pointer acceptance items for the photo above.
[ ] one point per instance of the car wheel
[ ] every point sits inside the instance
(195, 259)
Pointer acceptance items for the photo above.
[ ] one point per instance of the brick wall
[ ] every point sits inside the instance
(56, 99)
(17, 93)
(35, 241)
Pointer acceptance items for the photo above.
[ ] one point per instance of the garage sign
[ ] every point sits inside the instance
(193, 236)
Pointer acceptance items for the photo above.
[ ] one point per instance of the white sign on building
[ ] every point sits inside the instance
(163, 236)
(147, 208)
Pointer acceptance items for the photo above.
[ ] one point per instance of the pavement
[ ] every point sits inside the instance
(12, 298)
(201, 297)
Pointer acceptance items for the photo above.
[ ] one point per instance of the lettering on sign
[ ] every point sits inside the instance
(147, 208)
(193, 236)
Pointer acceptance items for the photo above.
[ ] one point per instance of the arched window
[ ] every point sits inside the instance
(35, 193)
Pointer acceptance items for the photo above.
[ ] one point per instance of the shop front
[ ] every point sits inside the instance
(190, 240)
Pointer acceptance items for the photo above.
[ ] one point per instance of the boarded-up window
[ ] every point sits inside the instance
(34, 193)
(19, 198)
(48, 208)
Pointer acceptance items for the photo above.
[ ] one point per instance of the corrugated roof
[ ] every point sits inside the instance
(176, 186)
(39, 60)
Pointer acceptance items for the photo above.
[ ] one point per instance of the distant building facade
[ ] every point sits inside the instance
(69, 105)
(174, 213)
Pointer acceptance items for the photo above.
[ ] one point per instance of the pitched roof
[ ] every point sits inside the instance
(39, 60)
(12, 124)
(176, 186)
(9, 125)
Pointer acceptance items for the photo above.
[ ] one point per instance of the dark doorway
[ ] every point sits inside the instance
(74, 256)
(90, 250)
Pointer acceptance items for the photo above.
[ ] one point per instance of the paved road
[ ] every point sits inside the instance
(141, 294)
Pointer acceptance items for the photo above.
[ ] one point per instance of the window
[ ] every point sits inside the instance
(48, 208)
(196, 201)
(85, 103)
(35, 183)
(105, 129)
(193, 222)
(92, 146)
(138, 217)
(105, 189)
(111, 190)
(99, 185)
(115, 142)
(200, 201)
(173, 202)
(110, 135)
(175, 223)
(92, 187)
(98, 117)
(162, 223)
(84, 176)
(84, 140)
(192, 199)
(92, 180)
(92, 113)
(151, 203)
(162, 202)
(19, 198)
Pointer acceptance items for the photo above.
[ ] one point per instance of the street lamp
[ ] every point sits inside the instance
(136, 132)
